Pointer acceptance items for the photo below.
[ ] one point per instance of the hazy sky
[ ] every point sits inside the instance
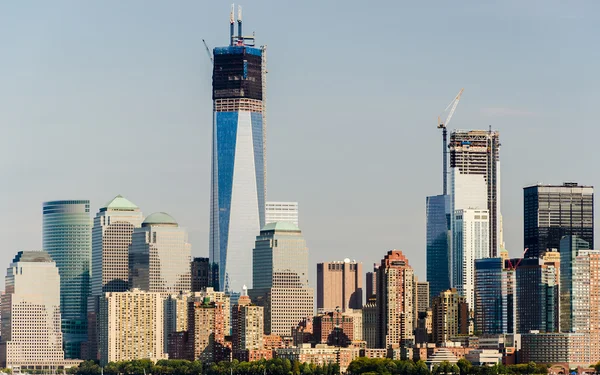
(100, 98)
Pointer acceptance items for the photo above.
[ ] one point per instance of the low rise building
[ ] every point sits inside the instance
(484, 357)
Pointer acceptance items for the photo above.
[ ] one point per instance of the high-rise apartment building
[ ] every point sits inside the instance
(221, 297)
(371, 279)
(495, 308)
(160, 256)
(206, 330)
(175, 317)
(554, 211)
(333, 328)
(247, 321)
(280, 277)
(130, 326)
(31, 321)
(537, 293)
(438, 243)
(339, 285)
(450, 316)
(475, 178)
(201, 274)
(470, 242)
(281, 211)
(67, 237)
(395, 300)
(111, 237)
(238, 187)
(422, 296)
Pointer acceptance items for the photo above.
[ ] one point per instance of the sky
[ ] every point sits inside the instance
(100, 98)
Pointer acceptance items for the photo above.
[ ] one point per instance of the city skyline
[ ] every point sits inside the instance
(68, 118)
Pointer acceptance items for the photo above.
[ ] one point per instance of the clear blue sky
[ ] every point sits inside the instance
(101, 98)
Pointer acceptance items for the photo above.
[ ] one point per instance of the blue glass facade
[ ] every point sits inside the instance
(495, 311)
(438, 241)
(67, 237)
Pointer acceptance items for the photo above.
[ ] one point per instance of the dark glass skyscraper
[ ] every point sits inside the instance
(438, 241)
(238, 158)
(554, 211)
(67, 237)
(495, 310)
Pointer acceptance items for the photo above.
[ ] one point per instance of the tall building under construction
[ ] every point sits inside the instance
(238, 185)
(475, 178)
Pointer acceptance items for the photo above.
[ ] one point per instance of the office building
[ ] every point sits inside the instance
(537, 293)
(495, 308)
(247, 321)
(280, 277)
(339, 285)
(67, 237)
(395, 300)
(281, 211)
(160, 256)
(475, 178)
(201, 274)
(206, 330)
(569, 348)
(570, 249)
(371, 278)
(554, 211)
(450, 316)
(422, 296)
(369, 323)
(31, 321)
(438, 244)
(470, 242)
(111, 237)
(238, 186)
(131, 326)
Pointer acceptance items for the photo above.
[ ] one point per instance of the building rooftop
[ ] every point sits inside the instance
(120, 203)
(160, 218)
(281, 226)
(33, 256)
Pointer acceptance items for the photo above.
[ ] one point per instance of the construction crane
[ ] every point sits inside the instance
(208, 51)
(442, 125)
(514, 267)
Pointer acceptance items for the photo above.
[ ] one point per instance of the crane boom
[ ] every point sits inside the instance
(442, 125)
(208, 51)
(453, 104)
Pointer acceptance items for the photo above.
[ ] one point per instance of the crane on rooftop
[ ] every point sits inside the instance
(208, 51)
(442, 125)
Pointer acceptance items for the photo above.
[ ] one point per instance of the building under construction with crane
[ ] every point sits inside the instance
(238, 186)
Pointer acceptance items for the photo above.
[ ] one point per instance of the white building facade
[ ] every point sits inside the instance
(281, 211)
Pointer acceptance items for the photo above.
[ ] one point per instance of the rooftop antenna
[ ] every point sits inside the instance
(231, 22)
(239, 22)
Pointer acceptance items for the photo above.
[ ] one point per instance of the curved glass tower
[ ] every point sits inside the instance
(67, 237)
(238, 159)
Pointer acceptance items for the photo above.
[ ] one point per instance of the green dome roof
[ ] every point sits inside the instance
(281, 226)
(159, 218)
(119, 202)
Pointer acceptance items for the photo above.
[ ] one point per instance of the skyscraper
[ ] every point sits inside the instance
(495, 310)
(554, 211)
(281, 211)
(280, 277)
(31, 322)
(450, 316)
(201, 274)
(438, 243)
(247, 326)
(475, 177)
(111, 236)
(206, 325)
(422, 296)
(159, 256)
(371, 278)
(238, 158)
(67, 237)
(395, 300)
(470, 242)
(572, 249)
(339, 285)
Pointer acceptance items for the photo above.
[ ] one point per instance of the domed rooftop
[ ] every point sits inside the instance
(120, 203)
(281, 226)
(159, 218)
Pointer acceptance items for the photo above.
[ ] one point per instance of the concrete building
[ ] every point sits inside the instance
(206, 331)
(67, 237)
(238, 185)
(369, 318)
(131, 326)
(220, 297)
(475, 179)
(333, 328)
(247, 326)
(371, 279)
(357, 321)
(281, 211)
(280, 277)
(320, 355)
(554, 211)
(537, 293)
(395, 300)
(201, 274)
(495, 310)
(111, 236)
(438, 243)
(570, 348)
(422, 296)
(31, 321)
(175, 317)
(484, 357)
(470, 242)
(160, 256)
(339, 285)
(450, 316)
